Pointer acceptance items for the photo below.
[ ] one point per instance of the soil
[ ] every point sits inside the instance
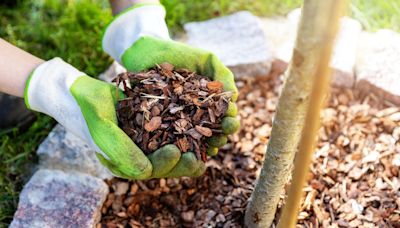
(166, 105)
(354, 179)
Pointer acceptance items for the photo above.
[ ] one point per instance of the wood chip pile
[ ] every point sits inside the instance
(166, 105)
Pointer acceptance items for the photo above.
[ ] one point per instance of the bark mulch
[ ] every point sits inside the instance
(354, 180)
(167, 105)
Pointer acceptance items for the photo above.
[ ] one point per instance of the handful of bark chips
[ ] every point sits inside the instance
(171, 106)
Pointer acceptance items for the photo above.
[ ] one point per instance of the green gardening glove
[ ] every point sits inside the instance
(86, 107)
(138, 38)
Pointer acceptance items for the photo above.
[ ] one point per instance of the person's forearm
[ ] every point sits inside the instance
(15, 67)
(119, 5)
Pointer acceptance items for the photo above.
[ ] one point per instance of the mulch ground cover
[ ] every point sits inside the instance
(354, 179)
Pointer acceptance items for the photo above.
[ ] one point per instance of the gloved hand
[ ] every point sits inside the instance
(86, 107)
(138, 39)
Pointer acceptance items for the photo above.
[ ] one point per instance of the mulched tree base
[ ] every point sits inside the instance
(354, 180)
(166, 105)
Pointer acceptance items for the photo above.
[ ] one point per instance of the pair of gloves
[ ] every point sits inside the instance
(138, 39)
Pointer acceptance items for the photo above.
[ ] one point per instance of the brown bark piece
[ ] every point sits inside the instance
(215, 85)
(204, 130)
(183, 144)
(153, 125)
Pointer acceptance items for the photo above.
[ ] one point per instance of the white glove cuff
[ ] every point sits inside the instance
(49, 84)
(131, 25)
(47, 91)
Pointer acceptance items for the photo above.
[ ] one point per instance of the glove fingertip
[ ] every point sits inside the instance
(212, 151)
(185, 167)
(171, 148)
(164, 160)
(217, 140)
(230, 125)
(232, 110)
(200, 171)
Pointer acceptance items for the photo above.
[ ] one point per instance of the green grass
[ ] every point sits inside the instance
(68, 29)
(17, 162)
(71, 29)
(376, 14)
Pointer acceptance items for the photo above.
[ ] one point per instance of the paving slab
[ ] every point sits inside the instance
(53, 198)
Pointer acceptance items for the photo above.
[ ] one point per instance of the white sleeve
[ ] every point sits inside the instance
(131, 25)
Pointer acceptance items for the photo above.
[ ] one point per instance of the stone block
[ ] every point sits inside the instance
(378, 64)
(53, 198)
(237, 40)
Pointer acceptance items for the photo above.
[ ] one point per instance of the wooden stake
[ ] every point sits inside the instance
(324, 15)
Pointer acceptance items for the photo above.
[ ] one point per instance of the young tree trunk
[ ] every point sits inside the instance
(291, 112)
(321, 81)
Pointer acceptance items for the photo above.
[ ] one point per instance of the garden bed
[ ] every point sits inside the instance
(354, 179)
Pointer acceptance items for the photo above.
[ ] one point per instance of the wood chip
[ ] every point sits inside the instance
(183, 144)
(203, 130)
(153, 125)
(194, 134)
(215, 85)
